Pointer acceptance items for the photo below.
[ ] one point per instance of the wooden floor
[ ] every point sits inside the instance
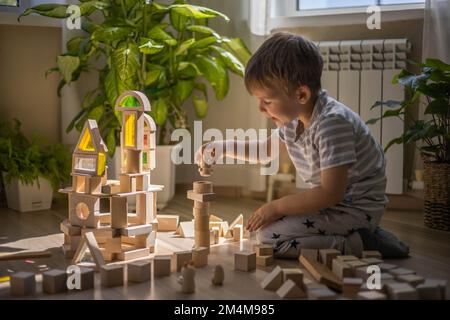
(430, 253)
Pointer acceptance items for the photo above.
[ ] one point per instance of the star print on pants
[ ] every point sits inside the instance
(294, 243)
(276, 235)
(309, 224)
(321, 232)
(369, 218)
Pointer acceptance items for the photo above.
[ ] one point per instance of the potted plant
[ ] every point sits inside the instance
(30, 169)
(432, 87)
(166, 51)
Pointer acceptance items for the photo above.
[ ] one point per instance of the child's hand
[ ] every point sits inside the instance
(209, 153)
(266, 214)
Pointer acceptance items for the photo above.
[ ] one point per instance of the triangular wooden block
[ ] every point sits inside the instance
(238, 220)
(88, 241)
(273, 280)
(229, 234)
(187, 229)
(223, 228)
(178, 231)
(213, 218)
(289, 290)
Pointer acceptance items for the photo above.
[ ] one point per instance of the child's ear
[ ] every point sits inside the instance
(303, 94)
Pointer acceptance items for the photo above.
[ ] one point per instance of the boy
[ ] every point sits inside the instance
(332, 149)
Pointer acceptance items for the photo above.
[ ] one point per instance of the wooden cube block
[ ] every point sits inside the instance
(386, 267)
(22, 284)
(412, 279)
(371, 295)
(245, 261)
(273, 280)
(346, 258)
(372, 261)
(431, 290)
(442, 284)
(179, 258)
(54, 281)
(310, 254)
(361, 273)
(356, 264)
(294, 274)
(322, 294)
(290, 290)
(263, 249)
(327, 256)
(167, 222)
(238, 232)
(401, 291)
(401, 272)
(372, 254)
(342, 269)
(161, 266)
(351, 286)
(86, 278)
(114, 245)
(138, 271)
(264, 261)
(200, 257)
(111, 275)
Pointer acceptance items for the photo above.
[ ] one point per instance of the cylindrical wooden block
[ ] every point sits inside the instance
(202, 187)
(201, 205)
(200, 212)
(201, 223)
(202, 238)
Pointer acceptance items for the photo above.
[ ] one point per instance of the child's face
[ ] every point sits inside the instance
(277, 105)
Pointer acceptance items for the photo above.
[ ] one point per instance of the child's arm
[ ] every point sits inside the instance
(331, 191)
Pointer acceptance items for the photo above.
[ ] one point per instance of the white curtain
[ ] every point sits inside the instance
(259, 17)
(436, 30)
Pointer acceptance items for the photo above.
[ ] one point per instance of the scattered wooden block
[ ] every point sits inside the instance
(200, 257)
(273, 280)
(371, 295)
(264, 261)
(430, 290)
(351, 286)
(245, 261)
(187, 229)
(132, 253)
(218, 275)
(294, 274)
(111, 275)
(401, 272)
(22, 284)
(361, 272)
(327, 256)
(86, 278)
(238, 232)
(322, 294)
(136, 230)
(401, 291)
(442, 284)
(215, 233)
(88, 241)
(310, 254)
(321, 273)
(290, 290)
(346, 258)
(386, 267)
(342, 269)
(239, 220)
(138, 271)
(356, 264)
(167, 222)
(161, 266)
(412, 279)
(372, 254)
(54, 281)
(263, 249)
(372, 261)
(309, 284)
(179, 258)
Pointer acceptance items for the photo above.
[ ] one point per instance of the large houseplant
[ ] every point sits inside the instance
(31, 166)
(432, 87)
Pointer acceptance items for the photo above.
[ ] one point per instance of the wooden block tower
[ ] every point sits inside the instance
(100, 205)
(202, 194)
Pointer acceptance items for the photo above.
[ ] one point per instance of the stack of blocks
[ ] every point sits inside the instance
(288, 283)
(99, 205)
(201, 194)
(264, 254)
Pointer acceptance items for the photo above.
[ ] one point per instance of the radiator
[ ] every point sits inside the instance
(358, 73)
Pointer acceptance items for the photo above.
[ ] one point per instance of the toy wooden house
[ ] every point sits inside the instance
(99, 205)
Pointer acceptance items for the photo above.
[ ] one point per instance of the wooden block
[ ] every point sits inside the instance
(111, 275)
(401, 291)
(201, 197)
(200, 212)
(273, 280)
(309, 285)
(327, 256)
(132, 254)
(371, 295)
(351, 287)
(239, 220)
(200, 257)
(356, 264)
(442, 284)
(114, 245)
(263, 249)
(244, 261)
(69, 229)
(342, 269)
(264, 261)
(127, 183)
(386, 267)
(93, 185)
(72, 241)
(54, 281)
(361, 272)
(167, 222)
(68, 252)
(145, 241)
(401, 272)
(119, 212)
(94, 249)
(202, 187)
(136, 230)
(372, 254)
(138, 271)
(214, 236)
(310, 254)
(187, 229)
(213, 218)
(346, 258)
(321, 273)
(290, 290)
(322, 294)
(101, 233)
(372, 261)
(294, 274)
(86, 278)
(179, 258)
(146, 207)
(161, 266)
(412, 279)
(22, 284)
(430, 290)
(238, 232)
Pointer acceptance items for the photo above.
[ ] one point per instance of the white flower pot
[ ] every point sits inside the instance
(23, 198)
(163, 174)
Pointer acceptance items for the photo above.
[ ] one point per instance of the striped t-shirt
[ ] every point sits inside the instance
(337, 136)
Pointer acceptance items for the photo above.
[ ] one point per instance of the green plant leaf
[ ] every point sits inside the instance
(398, 140)
(177, 20)
(67, 66)
(157, 33)
(435, 90)
(111, 142)
(183, 89)
(200, 106)
(203, 29)
(438, 64)
(196, 12)
(73, 45)
(114, 86)
(238, 48)
(159, 111)
(153, 74)
(184, 46)
(88, 7)
(148, 46)
(439, 107)
(202, 87)
(126, 60)
(203, 43)
(230, 60)
(215, 73)
(111, 34)
(51, 10)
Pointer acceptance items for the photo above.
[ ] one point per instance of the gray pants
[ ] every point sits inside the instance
(324, 230)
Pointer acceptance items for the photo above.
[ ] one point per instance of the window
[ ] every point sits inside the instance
(338, 4)
(9, 3)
